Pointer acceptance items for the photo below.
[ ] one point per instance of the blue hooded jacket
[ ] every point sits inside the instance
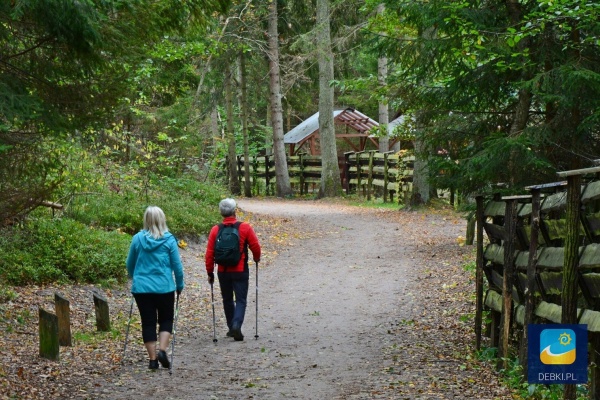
(151, 264)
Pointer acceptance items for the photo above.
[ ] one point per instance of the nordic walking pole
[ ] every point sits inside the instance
(212, 296)
(127, 331)
(256, 326)
(173, 342)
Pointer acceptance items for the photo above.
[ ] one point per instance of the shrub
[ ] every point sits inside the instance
(48, 250)
(190, 206)
(89, 243)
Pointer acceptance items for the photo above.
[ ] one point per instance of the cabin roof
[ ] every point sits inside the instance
(349, 116)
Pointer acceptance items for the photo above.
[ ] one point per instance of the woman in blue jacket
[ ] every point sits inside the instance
(152, 262)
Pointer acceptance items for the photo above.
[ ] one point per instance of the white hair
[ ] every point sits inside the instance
(155, 222)
(227, 207)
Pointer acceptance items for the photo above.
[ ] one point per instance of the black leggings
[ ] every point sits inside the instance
(155, 307)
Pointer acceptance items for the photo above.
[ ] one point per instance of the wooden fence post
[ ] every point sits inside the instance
(386, 178)
(48, 331)
(370, 176)
(531, 270)
(358, 172)
(479, 273)
(267, 176)
(102, 314)
(61, 306)
(255, 186)
(510, 224)
(303, 189)
(347, 171)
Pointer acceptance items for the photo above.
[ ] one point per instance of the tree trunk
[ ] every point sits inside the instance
(421, 189)
(569, 292)
(420, 192)
(331, 185)
(244, 117)
(283, 186)
(217, 132)
(269, 138)
(384, 116)
(521, 115)
(234, 183)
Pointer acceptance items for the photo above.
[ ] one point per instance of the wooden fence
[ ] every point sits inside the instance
(370, 173)
(542, 246)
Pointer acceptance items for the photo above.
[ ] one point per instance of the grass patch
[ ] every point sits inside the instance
(375, 202)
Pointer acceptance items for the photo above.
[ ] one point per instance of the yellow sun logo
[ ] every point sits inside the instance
(564, 339)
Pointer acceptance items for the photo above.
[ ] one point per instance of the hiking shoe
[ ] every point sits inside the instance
(237, 334)
(229, 333)
(153, 364)
(164, 360)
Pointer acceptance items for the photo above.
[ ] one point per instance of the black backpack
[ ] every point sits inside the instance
(227, 245)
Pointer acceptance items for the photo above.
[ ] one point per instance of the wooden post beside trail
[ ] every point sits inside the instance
(479, 273)
(61, 306)
(48, 331)
(102, 314)
(470, 234)
(510, 223)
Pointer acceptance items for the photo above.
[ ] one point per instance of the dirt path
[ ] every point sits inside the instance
(350, 307)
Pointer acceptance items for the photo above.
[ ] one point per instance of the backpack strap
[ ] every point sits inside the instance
(244, 247)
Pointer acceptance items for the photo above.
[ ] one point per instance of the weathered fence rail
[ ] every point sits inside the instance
(370, 173)
(535, 243)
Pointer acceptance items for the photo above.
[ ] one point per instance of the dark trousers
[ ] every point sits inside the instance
(155, 308)
(235, 308)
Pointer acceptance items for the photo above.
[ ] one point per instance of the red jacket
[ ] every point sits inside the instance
(247, 237)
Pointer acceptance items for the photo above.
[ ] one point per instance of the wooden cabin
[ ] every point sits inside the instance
(352, 127)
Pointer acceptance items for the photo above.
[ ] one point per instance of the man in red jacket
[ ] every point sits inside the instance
(233, 279)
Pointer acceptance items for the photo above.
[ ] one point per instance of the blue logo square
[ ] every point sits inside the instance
(557, 346)
(557, 353)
